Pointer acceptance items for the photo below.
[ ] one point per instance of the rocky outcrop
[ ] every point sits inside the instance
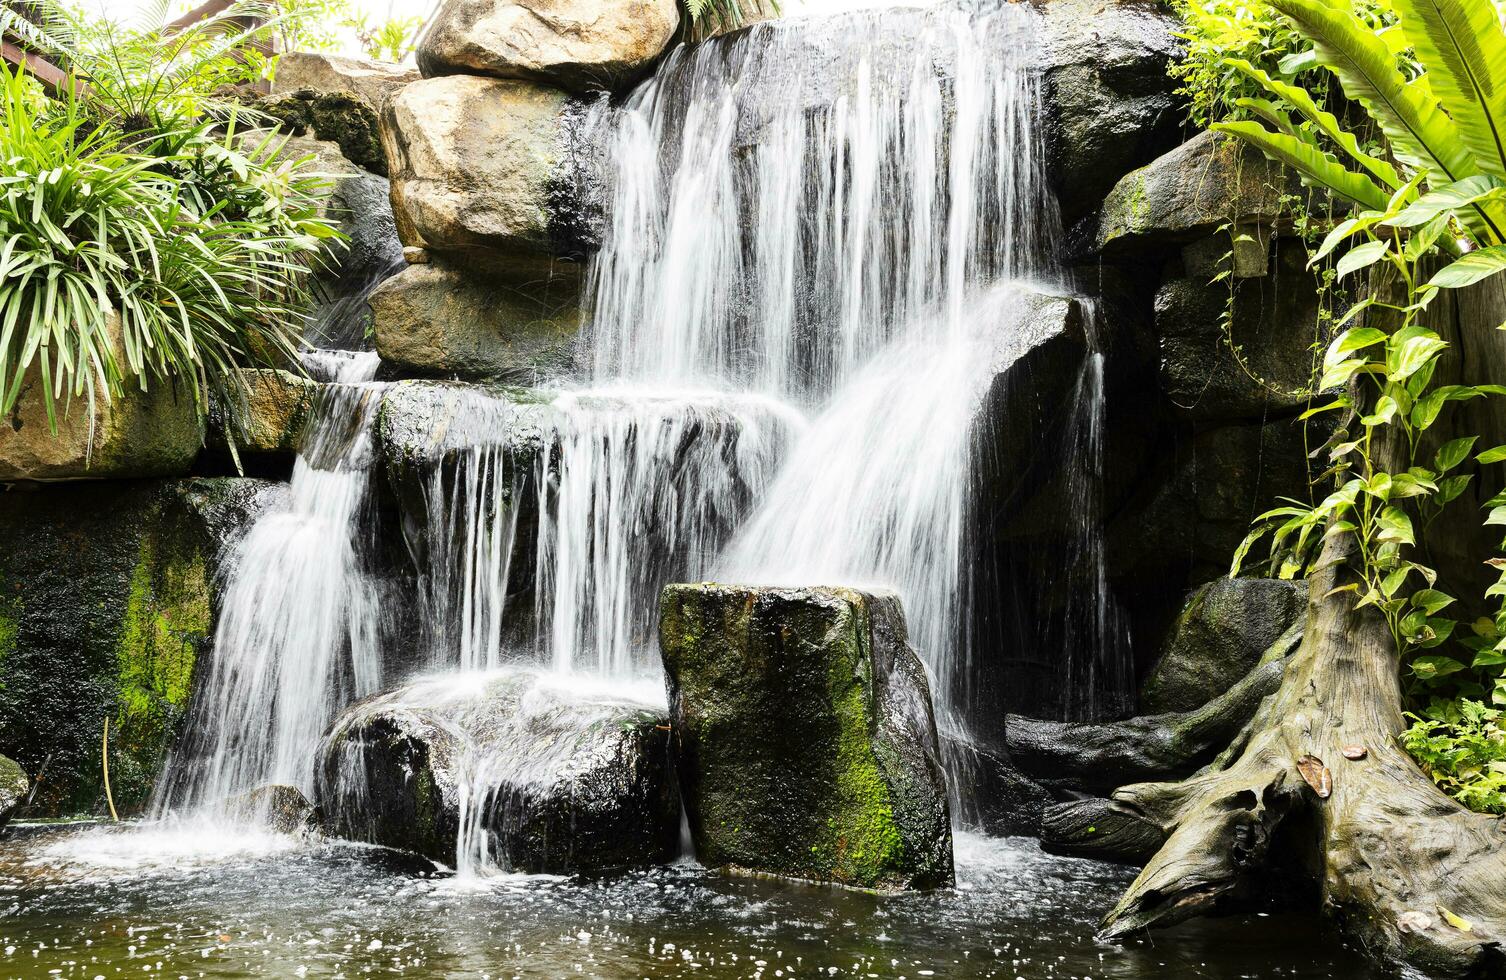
(13, 789)
(106, 605)
(342, 118)
(157, 432)
(374, 81)
(1110, 105)
(804, 735)
(1222, 633)
(1209, 181)
(266, 413)
(436, 320)
(492, 168)
(525, 770)
(280, 808)
(576, 44)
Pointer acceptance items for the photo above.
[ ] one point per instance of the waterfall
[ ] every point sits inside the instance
(297, 634)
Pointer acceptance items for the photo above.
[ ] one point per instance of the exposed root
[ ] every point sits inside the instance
(1411, 875)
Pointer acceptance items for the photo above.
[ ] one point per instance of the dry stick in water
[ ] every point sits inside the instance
(104, 758)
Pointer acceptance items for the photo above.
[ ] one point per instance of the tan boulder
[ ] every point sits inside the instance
(477, 166)
(577, 44)
(435, 320)
(139, 434)
(267, 415)
(374, 81)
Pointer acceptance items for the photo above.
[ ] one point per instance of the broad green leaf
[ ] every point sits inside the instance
(1472, 268)
(1434, 666)
(1431, 601)
(1413, 353)
(1495, 455)
(1453, 452)
(1353, 339)
(1315, 167)
(1361, 257)
(1395, 525)
(1450, 197)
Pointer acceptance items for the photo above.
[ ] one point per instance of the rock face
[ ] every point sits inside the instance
(336, 117)
(576, 44)
(278, 807)
(1184, 195)
(805, 740)
(106, 605)
(1110, 104)
(528, 771)
(271, 415)
(436, 320)
(1221, 635)
(139, 434)
(484, 165)
(13, 788)
(374, 81)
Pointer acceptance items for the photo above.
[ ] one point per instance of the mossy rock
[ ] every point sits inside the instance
(105, 610)
(339, 117)
(806, 742)
(13, 788)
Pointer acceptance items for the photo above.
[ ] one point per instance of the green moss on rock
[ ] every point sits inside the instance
(806, 743)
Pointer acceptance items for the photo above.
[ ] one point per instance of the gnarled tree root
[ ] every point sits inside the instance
(1413, 877)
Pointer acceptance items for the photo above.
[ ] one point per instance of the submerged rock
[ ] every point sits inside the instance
(485, 165)
(281, 808)
(523, 769)
(13, 789)
(576, 44)
(805, 739)
(432, 319)
(1225, 629)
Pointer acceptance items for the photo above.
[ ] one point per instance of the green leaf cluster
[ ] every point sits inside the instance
(1462, 746)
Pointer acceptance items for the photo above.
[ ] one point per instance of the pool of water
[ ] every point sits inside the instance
(150, 900)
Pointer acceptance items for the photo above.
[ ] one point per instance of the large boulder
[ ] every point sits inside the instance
(533, 771)
(157, 432)
(433, 319)
(13, 788)
(374, 81)
(805, 738)
(342, 118)
(1225, 629)
(576, 44)
(106, 606)
(487, 166)
(1110, 105)
(1210, 181)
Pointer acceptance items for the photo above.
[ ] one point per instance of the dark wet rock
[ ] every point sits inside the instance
(436, 320)
(1099, 828)
(374, 81)
(990, 793)
(1110, 104)
(556, 776)
(13, 789)
(804, 734)
(575, 44)
(495, 169)
(342, 118)
(281, 808)
(1225, 628)
(1272, 322)
(1185, 195)
(106, 606)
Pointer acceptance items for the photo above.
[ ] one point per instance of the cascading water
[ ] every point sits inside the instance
(297, 634)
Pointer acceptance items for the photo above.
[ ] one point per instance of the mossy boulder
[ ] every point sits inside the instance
(343, 118)
(556, 774)
(805, 737)
(266, 415)
(106, 607)
(433, 319)
(1183, 196)
(1222, 633)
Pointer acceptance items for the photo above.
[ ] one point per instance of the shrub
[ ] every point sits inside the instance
(1462, 746)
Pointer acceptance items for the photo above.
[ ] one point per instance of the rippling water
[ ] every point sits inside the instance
(148, 902)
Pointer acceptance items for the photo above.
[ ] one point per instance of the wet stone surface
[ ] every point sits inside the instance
(113, 902)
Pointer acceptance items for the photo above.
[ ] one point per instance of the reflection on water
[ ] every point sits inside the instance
(106, 902)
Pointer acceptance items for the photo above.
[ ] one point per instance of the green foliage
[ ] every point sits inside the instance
(724, 14)
(198, 239)
(392, 40)
(1462, 746)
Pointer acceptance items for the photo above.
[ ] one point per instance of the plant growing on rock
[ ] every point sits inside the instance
(1324, 763)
